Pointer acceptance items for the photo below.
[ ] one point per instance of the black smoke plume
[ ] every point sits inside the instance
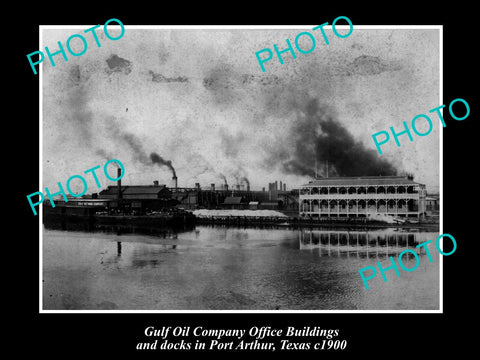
(157, 159)
(135, 145)
(317, 136)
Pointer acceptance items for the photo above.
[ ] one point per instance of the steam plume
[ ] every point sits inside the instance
(245, 180)
(224, 178)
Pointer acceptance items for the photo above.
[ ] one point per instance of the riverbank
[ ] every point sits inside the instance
(237, 218)
(293, 222)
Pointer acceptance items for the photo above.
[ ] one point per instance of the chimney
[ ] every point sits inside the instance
(284, 187)
(119, 183)
(212, 187)
(155, 182)
(281, 186)
(263, 189)
(174, 179)
(248, 187)
(197, 186)
(226, 187)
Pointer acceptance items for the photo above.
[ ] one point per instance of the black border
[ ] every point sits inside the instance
(367, 334)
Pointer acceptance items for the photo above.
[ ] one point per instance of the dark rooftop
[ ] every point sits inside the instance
(233, 200)
(149, 189)
(362, 180)
(134, 190)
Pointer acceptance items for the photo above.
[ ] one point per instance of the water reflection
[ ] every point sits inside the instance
(230, 268)
(91, 226)
(362, 244)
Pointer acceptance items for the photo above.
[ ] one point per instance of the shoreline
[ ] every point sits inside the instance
(241, 221)
(288, 222)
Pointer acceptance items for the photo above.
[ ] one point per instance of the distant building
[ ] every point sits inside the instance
(139, 198)
(234, 202)
(253, 205)
(135, 192)
(269, 205)
(432, 205)
(359, 196)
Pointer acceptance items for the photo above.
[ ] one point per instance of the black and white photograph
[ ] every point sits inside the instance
(276, 179)
(198, 175)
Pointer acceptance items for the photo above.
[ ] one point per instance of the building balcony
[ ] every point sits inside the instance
(405, 196)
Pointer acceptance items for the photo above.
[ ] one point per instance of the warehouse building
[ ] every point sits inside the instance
(137, 198)
(362, 196)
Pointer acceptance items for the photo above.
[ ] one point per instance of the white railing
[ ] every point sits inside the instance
(360, 211)
(359, 196)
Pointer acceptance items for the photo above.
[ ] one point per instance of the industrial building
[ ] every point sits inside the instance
(361, 196)
(143, 199)
(236, 197)
(432, 204)
(138, 198)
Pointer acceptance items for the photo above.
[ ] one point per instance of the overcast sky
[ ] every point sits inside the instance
(199, 99)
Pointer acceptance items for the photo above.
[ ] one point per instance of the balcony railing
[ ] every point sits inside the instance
(359, 196)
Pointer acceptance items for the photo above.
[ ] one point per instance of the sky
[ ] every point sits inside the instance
(196, 100)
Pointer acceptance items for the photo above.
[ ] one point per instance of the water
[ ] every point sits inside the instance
(225, 268)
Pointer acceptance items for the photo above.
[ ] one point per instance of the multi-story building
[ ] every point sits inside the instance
(362, 196)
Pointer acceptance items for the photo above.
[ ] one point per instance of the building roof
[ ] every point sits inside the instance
(271, 202)
(148, 189)
(233, 200)
(181, 197)
(111, 190)
(362, 181)
(134, 190)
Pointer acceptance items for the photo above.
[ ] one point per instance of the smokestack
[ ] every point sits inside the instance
(276, 185)
(284, 187)
(281, 185)
(226, 187)
(238, 187)
(212, 187)
(175, 184)
(263, 189)
(119, 183)
(248, 187)
(197, 186)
